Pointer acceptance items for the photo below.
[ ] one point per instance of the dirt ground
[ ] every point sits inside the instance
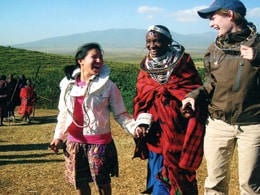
(28, 167)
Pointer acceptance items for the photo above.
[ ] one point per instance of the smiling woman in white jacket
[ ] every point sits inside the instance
(87, 97)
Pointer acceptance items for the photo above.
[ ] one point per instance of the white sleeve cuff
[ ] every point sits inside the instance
(144, 119)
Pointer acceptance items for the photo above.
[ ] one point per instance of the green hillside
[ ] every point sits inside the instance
(46, 71)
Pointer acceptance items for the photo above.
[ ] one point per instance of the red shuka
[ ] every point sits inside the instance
(178, 139)
(28, 99)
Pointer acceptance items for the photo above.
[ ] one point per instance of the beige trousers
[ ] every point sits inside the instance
(219, 144)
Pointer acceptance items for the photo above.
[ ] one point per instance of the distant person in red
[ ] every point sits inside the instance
(28, 99)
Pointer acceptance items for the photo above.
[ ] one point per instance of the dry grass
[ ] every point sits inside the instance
(29, 167)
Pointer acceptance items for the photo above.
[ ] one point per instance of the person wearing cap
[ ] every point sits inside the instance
(232, 65)
(174, 143)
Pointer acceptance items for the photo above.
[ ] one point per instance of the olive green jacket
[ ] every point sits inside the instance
(232, 85)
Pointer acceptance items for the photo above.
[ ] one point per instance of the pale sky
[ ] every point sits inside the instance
(24, 21)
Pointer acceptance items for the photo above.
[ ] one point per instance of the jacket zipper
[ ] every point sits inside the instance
(239, 73)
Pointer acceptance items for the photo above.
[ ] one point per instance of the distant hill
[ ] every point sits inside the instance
(115, 41)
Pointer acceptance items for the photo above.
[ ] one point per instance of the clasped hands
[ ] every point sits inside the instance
(141, 131)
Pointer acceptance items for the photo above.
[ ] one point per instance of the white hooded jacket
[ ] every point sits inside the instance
(101, 96)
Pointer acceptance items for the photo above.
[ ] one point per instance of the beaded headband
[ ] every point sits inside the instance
(159, 30)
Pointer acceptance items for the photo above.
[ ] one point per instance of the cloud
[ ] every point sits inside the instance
(145, 9)
(149, 17)
(188, 15)
(254, 13)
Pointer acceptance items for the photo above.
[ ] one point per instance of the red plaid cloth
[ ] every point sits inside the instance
(178, 139)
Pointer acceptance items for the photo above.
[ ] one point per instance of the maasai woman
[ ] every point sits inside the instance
(173, 145)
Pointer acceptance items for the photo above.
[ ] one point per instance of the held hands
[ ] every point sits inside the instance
(247, 52)
(143, 123)
(188, 101)
(54, 145)
(188, 107)
(141, 131)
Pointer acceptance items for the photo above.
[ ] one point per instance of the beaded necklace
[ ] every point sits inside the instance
(161, 68)
(86, 93)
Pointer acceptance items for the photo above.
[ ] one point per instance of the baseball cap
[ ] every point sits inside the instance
(234, 5)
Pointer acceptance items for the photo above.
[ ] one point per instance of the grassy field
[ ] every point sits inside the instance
(28, 167)
(46, 71)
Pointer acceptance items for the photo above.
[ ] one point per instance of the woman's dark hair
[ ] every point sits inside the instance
(83, 51)
(68, 70)
(80, 54)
